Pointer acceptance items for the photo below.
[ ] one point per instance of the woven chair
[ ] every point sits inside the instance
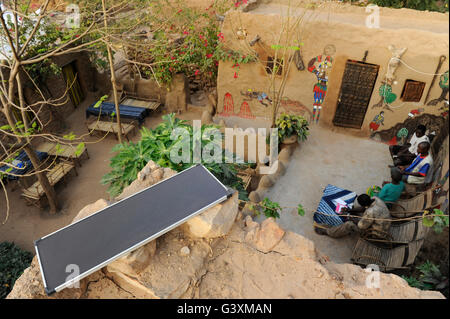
(386, 256)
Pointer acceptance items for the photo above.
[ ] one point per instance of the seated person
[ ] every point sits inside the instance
(375, 219)
(417, 172)
(405, 154)
(391, 191)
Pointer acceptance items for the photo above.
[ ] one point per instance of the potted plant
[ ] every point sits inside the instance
(292, 128)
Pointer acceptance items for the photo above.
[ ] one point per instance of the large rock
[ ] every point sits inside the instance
(178, 96)
(135, 262)
(264, 237)
(215, 221)
(148, 176)
(91, 209)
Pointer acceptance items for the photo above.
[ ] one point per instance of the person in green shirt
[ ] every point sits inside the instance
(391, 191)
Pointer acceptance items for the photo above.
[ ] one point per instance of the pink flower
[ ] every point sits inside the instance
(185, 32)
(209, 55)
(179, 11)
(172, 57)
(235, 75)
(200, 36)
(196, 72)
(220, 36)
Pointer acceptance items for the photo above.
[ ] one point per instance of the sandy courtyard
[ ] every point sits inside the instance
(326, 158)
(28, 223)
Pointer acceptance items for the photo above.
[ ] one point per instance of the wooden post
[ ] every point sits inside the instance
(113, 76)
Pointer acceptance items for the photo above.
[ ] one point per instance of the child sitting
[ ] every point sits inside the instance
(391, 191)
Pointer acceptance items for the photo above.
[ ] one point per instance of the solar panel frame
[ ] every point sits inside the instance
(49, 289)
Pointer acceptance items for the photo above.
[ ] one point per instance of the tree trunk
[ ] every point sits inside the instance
(113, 77)
(43, 180)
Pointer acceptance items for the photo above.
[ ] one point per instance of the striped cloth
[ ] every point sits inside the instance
(327, 205)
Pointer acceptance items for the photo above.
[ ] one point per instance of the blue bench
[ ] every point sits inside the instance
(126, 111)
(25, 165)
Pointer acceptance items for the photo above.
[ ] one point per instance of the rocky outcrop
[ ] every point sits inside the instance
(214, 222)
(218, 254)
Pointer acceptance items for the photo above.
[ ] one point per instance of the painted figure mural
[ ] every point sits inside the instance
(320, 66)
(377, 121)
(262, 97)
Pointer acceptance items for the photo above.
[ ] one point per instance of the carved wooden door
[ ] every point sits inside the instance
(356, 89)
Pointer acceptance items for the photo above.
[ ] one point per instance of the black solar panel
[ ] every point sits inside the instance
(97, 240)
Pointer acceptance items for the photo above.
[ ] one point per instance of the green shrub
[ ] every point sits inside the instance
(156, 145)
(272, 209)
(430, 5)
(437, 221)
(13, 262)
(289, 125)
(430, 278)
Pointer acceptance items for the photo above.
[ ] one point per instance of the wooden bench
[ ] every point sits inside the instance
(65, 151)
(35, 192)
(149, 105)
(111, 127)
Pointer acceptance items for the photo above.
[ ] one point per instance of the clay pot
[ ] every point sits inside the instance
(290, 140)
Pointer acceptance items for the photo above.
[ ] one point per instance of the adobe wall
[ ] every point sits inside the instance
(350, 42)
(55, 88)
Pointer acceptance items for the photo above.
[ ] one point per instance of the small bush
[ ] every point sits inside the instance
(13, 262)
(430, 5)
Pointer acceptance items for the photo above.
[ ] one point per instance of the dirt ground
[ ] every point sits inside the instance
(28, 223)
(326, 158)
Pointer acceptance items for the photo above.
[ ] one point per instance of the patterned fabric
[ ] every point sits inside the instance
(420, 165)
(327, 205)
(25, 164)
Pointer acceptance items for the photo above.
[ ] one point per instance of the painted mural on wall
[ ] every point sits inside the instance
(443, 84)
(320, 67)
(416, 112)
(228, 108)
(286, 105)
(262, 97)
(376, 122)
(245, 111)
(294, 107)
(400, 132)
(385, 91)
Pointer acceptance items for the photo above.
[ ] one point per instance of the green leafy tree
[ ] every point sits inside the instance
(30, 41)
